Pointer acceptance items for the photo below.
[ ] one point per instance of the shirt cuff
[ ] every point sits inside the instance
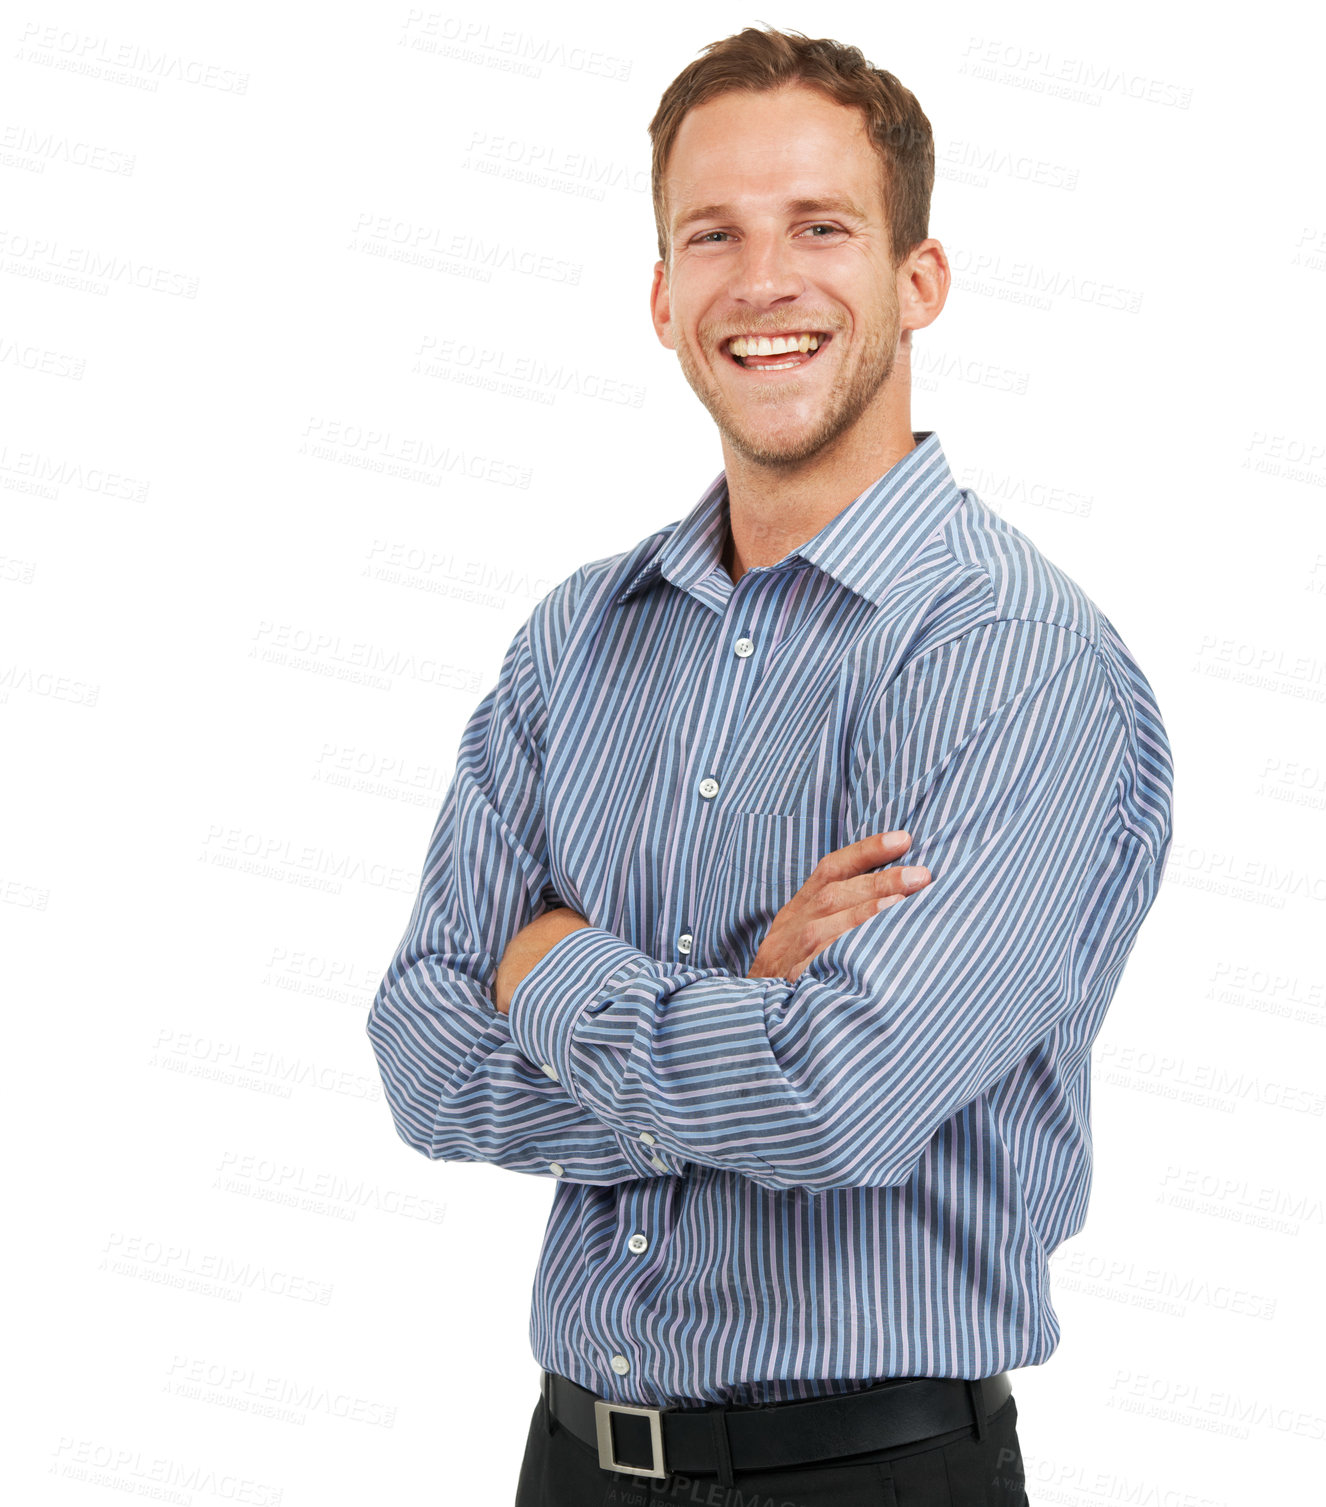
(574, 977)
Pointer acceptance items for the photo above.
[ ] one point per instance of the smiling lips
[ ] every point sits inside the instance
(776, 352)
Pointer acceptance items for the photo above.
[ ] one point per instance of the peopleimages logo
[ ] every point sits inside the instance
(506, 49)
(1078, 79)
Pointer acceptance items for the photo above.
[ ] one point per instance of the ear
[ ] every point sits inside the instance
(923, 284)
(660, 306)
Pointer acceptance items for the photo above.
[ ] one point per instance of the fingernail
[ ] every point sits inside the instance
(914, 878)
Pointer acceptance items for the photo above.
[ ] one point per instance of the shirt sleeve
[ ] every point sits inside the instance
(458, 1087)
(1000, 754)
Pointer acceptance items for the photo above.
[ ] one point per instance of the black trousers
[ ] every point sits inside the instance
(948, 1470)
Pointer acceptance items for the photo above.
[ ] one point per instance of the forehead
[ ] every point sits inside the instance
(755, 150)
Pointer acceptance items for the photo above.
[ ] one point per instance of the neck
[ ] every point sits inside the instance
(774, 508)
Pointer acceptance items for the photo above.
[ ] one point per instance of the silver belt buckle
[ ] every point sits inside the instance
(602, 1426)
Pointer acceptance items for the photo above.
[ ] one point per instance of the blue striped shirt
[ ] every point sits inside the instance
(766, 1189)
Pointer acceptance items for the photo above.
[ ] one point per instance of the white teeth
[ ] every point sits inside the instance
(776, 345)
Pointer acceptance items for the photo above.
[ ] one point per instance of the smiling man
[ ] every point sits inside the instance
(779, 290)
(816, 1119)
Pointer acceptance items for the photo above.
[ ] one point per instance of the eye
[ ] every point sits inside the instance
(708, 237)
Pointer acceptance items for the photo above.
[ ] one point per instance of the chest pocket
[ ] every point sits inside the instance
(769, 857)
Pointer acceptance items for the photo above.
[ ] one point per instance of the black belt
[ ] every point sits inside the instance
(763, 1437)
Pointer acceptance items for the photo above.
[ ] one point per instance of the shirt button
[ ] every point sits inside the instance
(550, 1070)
(637, 1243)
(556, 1168)
(658, 1164)
(647, 1138)
(744, 648)
(708, 788)
(620, 1365)
(684, 942)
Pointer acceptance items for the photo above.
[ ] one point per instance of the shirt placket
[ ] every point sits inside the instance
(637, 1265)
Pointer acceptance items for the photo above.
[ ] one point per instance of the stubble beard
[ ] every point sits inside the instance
(849, 396)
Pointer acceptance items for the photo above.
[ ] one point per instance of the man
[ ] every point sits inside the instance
(817, 1119)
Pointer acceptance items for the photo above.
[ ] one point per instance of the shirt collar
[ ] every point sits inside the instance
(864, 546)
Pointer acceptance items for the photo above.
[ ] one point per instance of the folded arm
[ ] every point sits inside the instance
(1000, 755)
(458, 1087)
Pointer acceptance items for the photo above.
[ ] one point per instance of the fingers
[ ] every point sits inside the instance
(841, 893)
(882, 891)
(854, 915)
(828, 896)
(825, 933)
(854, 875)
(869, 853)
(821, 933)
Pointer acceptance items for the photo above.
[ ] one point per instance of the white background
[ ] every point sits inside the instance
(239, 648)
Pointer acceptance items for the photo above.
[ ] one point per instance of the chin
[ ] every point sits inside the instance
(778, 448)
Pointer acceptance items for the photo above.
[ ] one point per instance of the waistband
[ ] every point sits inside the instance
(660, 1441)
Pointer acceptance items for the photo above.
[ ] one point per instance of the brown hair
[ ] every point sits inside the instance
(755, 60)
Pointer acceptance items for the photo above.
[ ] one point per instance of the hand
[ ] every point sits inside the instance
(839, 894)
(526, 948)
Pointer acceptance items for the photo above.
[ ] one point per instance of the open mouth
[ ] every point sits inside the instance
(776, 353)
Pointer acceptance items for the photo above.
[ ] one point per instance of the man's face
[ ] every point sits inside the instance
(776, 206)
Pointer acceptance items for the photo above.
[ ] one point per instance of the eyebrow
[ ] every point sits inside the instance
(791, 206)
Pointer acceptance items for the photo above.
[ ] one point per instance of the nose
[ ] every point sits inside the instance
(764, 272)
